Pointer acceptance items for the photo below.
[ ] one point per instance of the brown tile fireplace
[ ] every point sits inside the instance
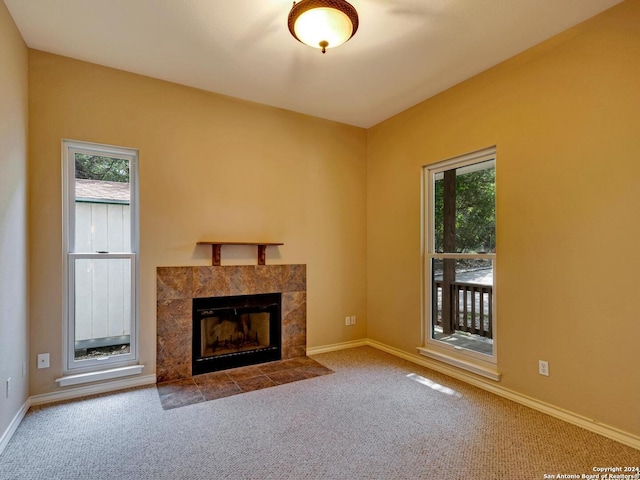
(182, 291)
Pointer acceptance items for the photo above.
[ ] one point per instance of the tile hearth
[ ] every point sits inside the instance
(211, 386)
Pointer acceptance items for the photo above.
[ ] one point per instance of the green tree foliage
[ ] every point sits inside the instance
(475, 212)
(93, 167)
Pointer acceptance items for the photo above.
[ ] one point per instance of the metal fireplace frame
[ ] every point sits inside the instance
(267, 302)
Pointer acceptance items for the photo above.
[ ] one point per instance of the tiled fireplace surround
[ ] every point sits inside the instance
(178, 286)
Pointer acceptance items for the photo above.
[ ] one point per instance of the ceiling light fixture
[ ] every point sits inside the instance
(323, 23)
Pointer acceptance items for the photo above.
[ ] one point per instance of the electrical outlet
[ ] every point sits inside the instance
(543, 368)
(347, 321)
(353, 319)
(43, 360)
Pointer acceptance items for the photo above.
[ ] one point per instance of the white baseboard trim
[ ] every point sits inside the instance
(78, 392)
(70, 394)
(13, 426)
(589, 424)
(337, 346)
(610, 432)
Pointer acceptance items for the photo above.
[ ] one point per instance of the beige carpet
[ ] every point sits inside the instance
(376, 417)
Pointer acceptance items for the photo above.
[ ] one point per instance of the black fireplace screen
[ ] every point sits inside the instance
(235, 331)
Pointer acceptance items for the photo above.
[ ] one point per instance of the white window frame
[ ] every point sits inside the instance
(477, 362)
(69, 149)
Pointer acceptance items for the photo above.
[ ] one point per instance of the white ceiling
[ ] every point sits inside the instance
(405, 51)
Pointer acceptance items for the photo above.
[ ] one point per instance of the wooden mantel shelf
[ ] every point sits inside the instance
(215, 250)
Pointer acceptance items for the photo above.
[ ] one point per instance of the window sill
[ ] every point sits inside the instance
(486, 371)
(99, 375)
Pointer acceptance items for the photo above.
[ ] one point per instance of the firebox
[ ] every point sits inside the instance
(235, 331)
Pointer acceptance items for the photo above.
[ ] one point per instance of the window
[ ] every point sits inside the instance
(100, 225)
(460, 241)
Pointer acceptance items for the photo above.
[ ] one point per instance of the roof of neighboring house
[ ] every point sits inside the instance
(102, 191)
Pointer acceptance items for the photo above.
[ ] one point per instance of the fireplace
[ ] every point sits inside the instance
(179, 287)
(235, 331)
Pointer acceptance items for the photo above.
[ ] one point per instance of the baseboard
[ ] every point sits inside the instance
(69, 394)
(591, 425)
(581, 421)
(13, 426)
(337, 346)
(608, 431)
(72, 393)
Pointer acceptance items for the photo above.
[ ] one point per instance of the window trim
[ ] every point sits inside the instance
(69, 149)
(470, 360)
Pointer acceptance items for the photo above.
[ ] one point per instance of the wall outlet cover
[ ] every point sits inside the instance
(543, 368)
(43, 360)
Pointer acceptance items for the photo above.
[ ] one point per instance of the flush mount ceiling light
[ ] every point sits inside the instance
(323, 23)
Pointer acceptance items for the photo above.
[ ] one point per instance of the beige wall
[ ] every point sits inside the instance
(13, 218)
(564, 117)
(210, 168)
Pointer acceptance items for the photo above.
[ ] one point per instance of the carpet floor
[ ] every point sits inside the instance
(375, 417)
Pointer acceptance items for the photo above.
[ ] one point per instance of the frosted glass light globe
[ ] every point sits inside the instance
(319, 25)
(323, 23)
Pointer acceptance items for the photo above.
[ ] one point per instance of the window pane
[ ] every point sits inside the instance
(102, 204)
(464, 209)
(462, 307)
(102, 307)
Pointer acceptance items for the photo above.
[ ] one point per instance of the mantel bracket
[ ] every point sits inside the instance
(216, 247)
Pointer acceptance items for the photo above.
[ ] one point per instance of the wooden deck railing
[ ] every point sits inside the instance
(472, 307)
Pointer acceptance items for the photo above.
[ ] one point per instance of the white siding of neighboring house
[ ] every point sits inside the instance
(103, 288)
